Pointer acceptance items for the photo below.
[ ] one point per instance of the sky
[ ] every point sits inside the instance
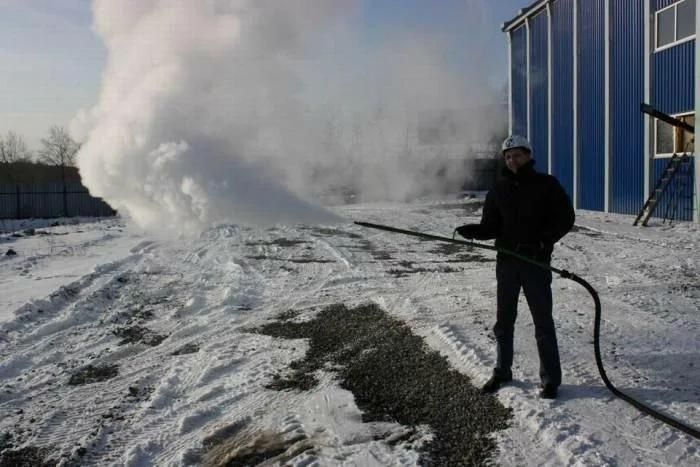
(52, 62)
(191, 113)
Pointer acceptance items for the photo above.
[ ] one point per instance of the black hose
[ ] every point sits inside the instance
(694, 432)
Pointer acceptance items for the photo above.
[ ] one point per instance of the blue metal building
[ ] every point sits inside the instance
(579, 72)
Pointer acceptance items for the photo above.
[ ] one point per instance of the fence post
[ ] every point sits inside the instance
(17, 201)
(65, 195)
(65, 200)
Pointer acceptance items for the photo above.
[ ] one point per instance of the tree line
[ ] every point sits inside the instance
(54, 161)
(57, 149)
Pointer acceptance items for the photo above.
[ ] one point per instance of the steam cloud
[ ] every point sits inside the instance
(247, 110)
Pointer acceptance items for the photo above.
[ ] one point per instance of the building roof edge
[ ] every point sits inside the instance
(523, 13)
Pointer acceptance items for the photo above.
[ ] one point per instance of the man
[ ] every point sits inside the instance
(527, 212)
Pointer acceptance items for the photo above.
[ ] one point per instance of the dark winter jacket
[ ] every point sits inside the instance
(527, 212)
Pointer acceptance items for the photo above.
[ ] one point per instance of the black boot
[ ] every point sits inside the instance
(549, 391)
(495, 383)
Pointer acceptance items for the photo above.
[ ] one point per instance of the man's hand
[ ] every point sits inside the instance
(468, 231)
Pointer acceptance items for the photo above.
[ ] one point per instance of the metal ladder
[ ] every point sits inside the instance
(680, 192)
(667, 176)
(661, 186)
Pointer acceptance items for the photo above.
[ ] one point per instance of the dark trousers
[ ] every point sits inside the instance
(512, 275)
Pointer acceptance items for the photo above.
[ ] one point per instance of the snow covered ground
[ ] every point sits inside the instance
(119, 349)
(53, 254)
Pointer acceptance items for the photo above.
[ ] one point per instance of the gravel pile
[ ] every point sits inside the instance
(396, 377)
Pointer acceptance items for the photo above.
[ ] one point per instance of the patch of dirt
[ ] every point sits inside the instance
(283, 242)
(419, 270)
(137, 314)
(585, 231)
(381, 255)
(394, 376)
(310, 260)
(300, 380)
(187, 349)
(29, 456)
(450, 249)
(291, 260)
(93, 374)
(467, 258)
(135, 334)
(137, 393)
(377, 254)
(6, 441)
(335, 233)
(250, 449)
(288, 315)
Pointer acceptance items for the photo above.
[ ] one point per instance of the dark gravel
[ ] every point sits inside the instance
(192, 347)
(283, 242)
(450, 248)
(419, 270)
(395, 376)
(335, 233)
(27, 457)
(585, 231)
(135, 334)
(93, 374)
(291, 260)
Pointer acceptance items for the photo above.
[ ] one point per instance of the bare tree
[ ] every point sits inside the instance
(59, 148)
(13, 149)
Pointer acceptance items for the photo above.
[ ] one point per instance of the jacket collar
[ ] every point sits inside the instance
(526, 171)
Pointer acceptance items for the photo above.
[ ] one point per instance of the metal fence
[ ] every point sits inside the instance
(47, 200)
(484, 173)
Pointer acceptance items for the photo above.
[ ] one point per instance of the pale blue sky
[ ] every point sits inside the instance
(51, 61)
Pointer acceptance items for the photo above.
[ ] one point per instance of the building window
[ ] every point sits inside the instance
(673, 140)
(685, 141)
(685, 24)
(675, 24)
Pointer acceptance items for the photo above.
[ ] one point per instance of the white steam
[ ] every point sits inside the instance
(245, 110)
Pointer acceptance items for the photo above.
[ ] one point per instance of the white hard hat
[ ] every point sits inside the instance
(515, 141)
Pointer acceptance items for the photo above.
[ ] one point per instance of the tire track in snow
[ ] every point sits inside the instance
(110, 297)
(38, 312)
(187, 374)
(210, 376)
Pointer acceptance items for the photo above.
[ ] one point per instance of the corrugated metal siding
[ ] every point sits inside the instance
(563, 94)
(525, 11)
(627, 92)
(519, 80)
(674, 79)
(539, 84)
(673, 92)
(591, 105)
(677, 201)
(46, 200)
(673, 72)
(659, 4)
